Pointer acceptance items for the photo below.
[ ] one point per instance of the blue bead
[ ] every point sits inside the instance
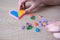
(37, 30)
(14, 13)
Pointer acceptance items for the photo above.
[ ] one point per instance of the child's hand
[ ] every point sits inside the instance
(36, 3)
(54, 28)
(33, 5)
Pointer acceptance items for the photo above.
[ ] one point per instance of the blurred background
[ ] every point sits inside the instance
(9, 27)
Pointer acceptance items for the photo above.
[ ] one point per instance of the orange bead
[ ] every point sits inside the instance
(21, 13)
(35, 24)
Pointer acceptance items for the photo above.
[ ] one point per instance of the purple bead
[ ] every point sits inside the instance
(22, 27)
(28, 24)
(41, 22)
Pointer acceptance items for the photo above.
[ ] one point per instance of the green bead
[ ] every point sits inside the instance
(33, 17)
(29, 27)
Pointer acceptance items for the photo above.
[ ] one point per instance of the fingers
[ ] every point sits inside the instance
(56, 35)
(21, 4)
(54, 27)
(32, 7)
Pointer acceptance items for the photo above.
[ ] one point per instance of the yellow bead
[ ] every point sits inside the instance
(20, 13)
(44, 23)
